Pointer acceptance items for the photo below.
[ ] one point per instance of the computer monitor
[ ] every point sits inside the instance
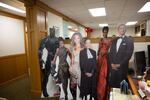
(140, 62)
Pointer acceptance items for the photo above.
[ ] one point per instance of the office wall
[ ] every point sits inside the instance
(54, 20)
(11, 36)
(13, 62)
(112, 31)
(82, 31)
(138, 46)
(148, 27)
(57, 21)
(12, 68)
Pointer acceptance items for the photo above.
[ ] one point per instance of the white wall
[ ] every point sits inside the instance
(138, 46)
(112, 31)
(82, 31)
(54, 20)
(148, 28)
(11, 36)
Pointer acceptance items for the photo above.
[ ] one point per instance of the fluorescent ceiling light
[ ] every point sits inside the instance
(11, 8)
(145, 8)
(69, 26)
(131, 23)
(95, 12)
(102, 25)
(75, 29)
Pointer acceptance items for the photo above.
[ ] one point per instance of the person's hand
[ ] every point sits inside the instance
(88, 74)
(103, 52)
(115, 66)
(52, 62)
(57, 50)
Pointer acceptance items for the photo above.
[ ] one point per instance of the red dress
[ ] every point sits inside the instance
(104, 45)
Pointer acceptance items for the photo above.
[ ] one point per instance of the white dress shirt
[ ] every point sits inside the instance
(89, 55)
(119, 42)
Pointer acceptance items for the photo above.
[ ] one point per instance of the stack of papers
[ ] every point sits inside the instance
(117, 95)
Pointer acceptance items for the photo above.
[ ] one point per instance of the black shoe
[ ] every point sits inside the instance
(66, 97)
(45, 95)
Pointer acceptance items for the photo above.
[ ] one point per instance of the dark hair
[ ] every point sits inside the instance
(85, 39)
(105, 28)
(61, 39)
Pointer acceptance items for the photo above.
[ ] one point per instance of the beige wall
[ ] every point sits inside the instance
(112, 31)
(148, 27)
(138, 46)
(11, 36)
(54, 20)
(13, 60)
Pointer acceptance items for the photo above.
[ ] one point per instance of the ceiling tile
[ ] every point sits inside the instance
(117, 11)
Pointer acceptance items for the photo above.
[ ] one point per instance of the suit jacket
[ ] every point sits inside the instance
(121, 57)
(88, 66)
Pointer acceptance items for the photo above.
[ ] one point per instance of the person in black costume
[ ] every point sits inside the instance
(51, 43)
(88, 67)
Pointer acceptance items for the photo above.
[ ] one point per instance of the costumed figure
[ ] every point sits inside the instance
(102, 76)
(76, 47)
(50, 43)
(63, 68)
(88, 67)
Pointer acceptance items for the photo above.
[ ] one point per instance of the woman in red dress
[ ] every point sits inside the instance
(104, 45)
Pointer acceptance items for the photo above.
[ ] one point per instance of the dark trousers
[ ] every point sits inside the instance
(46, 73)
(44, 84)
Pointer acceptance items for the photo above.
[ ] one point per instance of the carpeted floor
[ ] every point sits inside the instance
(19, 90)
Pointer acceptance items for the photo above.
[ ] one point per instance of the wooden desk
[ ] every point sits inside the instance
(134, 87)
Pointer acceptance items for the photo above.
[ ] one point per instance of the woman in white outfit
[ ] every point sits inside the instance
(75, 73)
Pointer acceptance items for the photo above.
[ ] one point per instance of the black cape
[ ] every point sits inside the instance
(88, 84)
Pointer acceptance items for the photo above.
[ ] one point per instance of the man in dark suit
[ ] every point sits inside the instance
(120, 53)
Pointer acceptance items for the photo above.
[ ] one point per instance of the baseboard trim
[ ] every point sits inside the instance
(36, 92)
(14, 79)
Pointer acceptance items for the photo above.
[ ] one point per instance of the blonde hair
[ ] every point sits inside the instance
(73, 42)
